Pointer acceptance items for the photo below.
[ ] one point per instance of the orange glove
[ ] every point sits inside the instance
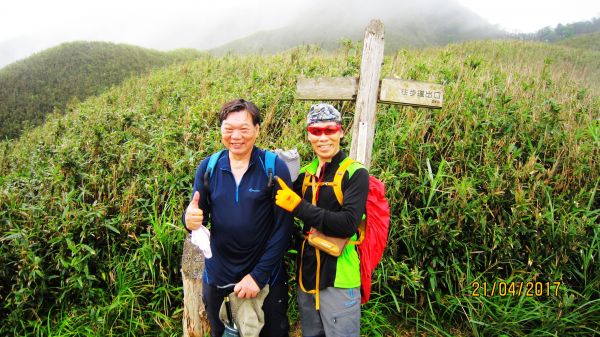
(286, 198)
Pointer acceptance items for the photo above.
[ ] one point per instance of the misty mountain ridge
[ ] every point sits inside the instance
(407, 24)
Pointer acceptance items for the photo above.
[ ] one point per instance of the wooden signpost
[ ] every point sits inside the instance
(367, 90)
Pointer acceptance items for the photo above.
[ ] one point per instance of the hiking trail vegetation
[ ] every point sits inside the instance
(499, 186)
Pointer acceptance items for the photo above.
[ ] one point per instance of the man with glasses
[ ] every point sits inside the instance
(329, 285)
(249, 234)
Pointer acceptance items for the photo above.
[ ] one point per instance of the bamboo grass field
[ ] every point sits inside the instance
(500, 186)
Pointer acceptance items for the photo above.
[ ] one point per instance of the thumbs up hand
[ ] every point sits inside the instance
(286, 198)
(193, 214)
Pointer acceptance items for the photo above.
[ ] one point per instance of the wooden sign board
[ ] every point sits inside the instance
(397, 91)
(393, 91)
(327, 88)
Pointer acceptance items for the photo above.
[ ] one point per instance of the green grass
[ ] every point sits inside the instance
(589, 41)
(499, 185)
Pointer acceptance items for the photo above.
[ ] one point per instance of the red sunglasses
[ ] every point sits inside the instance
(329, 130)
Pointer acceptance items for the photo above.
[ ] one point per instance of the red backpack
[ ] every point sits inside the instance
(371, 249)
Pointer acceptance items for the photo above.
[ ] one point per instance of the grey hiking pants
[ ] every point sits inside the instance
(339, 313)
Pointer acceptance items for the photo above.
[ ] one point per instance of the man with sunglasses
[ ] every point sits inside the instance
(249, 235)
(329, 286)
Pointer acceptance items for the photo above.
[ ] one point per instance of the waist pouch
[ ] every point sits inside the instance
(327, 244)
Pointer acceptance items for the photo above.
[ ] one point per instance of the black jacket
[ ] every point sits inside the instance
(332, 219)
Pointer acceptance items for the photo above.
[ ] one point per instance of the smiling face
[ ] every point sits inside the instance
(325, 145)
(238, 133)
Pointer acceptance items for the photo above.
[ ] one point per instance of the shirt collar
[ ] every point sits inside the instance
(253, 158)
(335, 161)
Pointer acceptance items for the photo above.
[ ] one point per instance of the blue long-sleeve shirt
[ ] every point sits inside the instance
(249, 233)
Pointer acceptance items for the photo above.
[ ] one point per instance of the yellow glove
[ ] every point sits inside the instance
(286, 198)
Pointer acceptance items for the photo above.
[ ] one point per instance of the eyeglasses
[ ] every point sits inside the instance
(329, 130)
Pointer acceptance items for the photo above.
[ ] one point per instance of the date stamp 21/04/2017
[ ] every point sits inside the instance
(501, 288)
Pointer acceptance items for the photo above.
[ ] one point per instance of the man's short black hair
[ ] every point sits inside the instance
(240, 105)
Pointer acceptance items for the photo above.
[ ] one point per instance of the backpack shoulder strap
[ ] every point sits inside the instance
(339, 176)
(270, 158)
(212, 162)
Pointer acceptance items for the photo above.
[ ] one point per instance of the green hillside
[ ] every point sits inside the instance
(33, 87)
(499, 186)
(586, 41)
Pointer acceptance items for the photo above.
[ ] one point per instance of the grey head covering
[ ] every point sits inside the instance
(323, 112)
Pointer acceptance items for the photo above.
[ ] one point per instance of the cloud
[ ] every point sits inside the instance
(27, 26)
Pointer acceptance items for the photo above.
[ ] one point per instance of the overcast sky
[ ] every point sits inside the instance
(528, 16)
(27, 26)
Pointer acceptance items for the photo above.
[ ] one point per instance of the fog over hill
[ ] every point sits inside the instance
(206, 25)
(426, 23)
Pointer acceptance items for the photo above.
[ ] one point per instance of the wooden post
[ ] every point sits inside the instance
(195, 321)
(368, 90)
